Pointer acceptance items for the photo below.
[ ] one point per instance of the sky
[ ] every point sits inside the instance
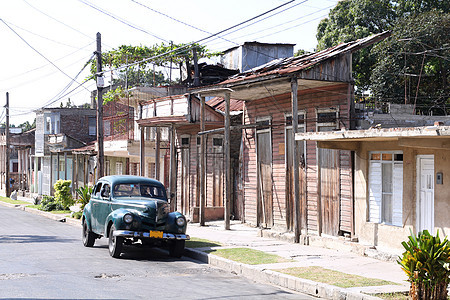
(44, 44)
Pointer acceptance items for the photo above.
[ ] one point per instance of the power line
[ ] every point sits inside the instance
(43, 66)
(35, 49)
(68, 26)
(198, 41)
(121, 20)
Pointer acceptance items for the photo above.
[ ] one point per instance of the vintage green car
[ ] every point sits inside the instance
(132, 210)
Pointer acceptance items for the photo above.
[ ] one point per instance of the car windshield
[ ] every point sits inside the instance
(139, 190)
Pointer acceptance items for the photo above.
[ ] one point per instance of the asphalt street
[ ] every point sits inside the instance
(45, 259)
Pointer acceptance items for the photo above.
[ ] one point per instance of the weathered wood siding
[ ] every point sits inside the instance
(276, 107)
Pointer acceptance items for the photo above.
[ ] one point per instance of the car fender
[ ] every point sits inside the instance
(116, 218)
(171, 222)
(87, 215)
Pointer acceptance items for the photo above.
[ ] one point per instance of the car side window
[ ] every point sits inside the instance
(106, 191)
(96, 190)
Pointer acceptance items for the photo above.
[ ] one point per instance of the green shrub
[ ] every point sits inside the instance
(84, 194)
(48, 203)
(426, 262)
(62, 193)
(77, 215)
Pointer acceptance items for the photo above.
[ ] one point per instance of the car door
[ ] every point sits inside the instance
(95, 205)
(103, 207)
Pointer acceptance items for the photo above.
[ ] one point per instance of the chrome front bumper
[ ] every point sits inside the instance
(138, 234)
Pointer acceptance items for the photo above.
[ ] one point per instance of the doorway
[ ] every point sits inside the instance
(425, 193)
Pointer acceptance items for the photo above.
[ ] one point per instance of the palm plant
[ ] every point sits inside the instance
(84, 194)
(426, 262)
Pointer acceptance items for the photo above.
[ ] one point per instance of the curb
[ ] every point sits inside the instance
(251, 272)
(262, 275)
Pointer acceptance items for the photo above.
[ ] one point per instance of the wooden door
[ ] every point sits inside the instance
(184, 180)
(264, 177)
(329, 182)
(425, 184)
(217, 171)
(290, 213)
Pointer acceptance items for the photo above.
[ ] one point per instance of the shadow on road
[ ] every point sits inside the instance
(19, 239)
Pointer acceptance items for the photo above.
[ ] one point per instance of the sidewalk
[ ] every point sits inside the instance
(242, 235)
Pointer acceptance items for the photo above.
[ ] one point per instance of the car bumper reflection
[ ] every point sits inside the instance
(138, 234)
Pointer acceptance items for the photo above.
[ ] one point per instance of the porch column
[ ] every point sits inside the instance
(65, 165)
(142, 151)
(173, 171)
(157, 154)
(51, 173)
(202, 163)
(295, 162)
(228, 183)
(75, 172)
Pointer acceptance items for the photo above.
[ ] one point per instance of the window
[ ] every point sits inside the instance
(107, 168)
(119, 168)
(93, 125)
(106, 191)
(184, 141)
(217, 142)
(327, 119)
(386, 187)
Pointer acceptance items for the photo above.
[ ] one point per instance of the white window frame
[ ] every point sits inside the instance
(319, 125)
(375, 192)
(119, 168)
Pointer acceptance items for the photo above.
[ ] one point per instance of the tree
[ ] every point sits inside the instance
(27, 126)
(355, 19)
(413, 64)
(137, 62)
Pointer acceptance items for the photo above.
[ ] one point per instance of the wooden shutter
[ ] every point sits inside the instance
(375, 192)
(397, 196)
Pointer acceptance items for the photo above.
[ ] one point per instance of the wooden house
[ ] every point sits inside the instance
(287, 185)
(181, 113)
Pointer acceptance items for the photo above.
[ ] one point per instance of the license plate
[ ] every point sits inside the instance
(156, 234)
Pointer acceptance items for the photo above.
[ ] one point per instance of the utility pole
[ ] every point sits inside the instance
(100, 84)
(8, 189)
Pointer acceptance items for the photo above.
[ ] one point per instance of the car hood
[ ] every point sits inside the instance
(155, 209)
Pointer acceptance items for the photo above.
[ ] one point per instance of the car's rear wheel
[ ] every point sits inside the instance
(115, 243)
(176, 248)
(88, 236)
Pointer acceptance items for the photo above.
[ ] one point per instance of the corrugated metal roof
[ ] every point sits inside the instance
(218, 103)
(295, 64)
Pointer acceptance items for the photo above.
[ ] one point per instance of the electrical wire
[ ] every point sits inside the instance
(121, 20)
(29, 45)
(68, 26)
(43, 66)
(198, 41)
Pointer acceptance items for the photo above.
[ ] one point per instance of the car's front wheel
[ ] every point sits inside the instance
(115, 243)
(176, 248)
(88, 236)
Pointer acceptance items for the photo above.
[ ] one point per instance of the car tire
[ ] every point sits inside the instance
(115, 243)
(88, 237)
(176, 248)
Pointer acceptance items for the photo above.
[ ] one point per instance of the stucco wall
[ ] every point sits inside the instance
(388, 237)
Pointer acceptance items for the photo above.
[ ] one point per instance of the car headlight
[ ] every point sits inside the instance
(181, 222)
(128, 218)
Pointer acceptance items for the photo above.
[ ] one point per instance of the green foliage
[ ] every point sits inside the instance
(48, 203)
(62, 193)
(355, 19)
(426, 262)
(77, 215)
(84, 194)
(142, 73)
(415, 58)
(113, 95)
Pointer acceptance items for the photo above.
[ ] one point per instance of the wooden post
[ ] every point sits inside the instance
(100, 134)
(75, 172)
(142, 151)
(295, 162)
(228, 183)
(173, 171)
(157, 154)
(202, 163)
(65, 165)
(8, 189)
(58, 170)
(51, 174)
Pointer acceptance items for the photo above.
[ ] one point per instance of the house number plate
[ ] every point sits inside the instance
(156, 234)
